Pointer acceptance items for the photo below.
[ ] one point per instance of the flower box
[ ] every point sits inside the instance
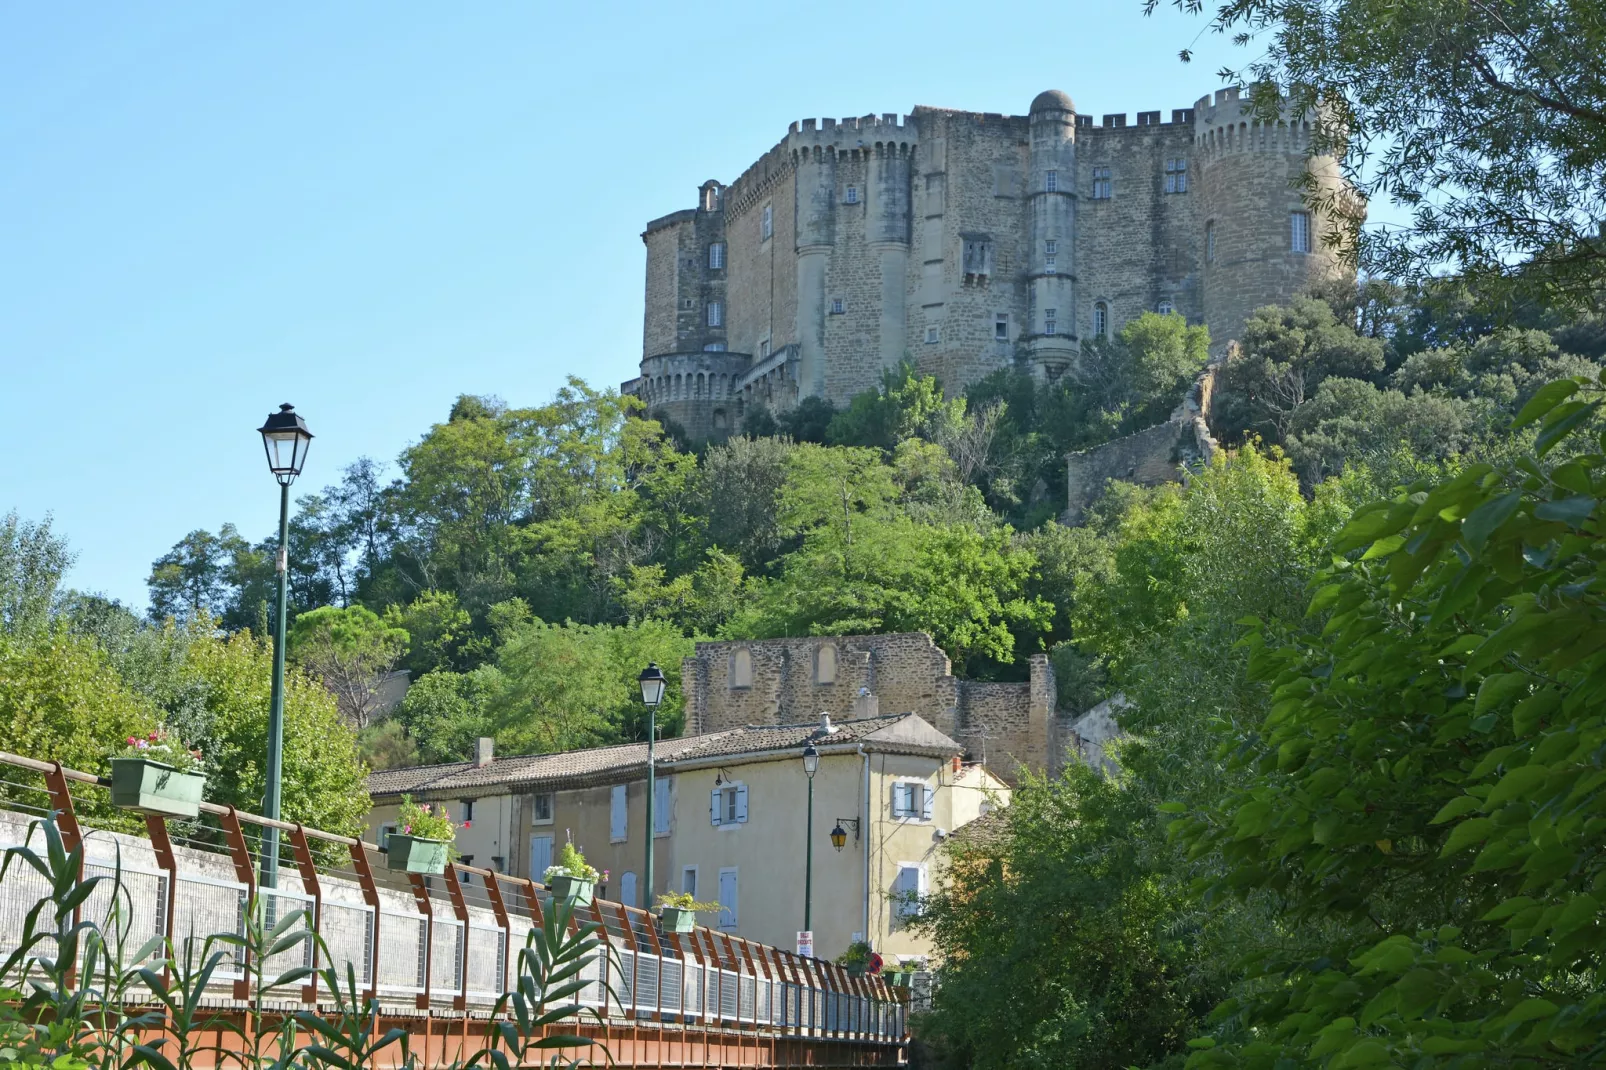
(574, 890)
(415, 854)
(678, 919)
(154, 787)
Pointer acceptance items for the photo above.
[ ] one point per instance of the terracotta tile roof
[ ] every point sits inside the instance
(985, 835)
(901, 733)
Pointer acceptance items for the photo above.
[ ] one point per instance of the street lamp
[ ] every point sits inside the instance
(839, 835)
(285, 439)
(811, 765)
(652, 693)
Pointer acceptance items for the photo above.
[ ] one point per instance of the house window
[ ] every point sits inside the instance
(1102, 186)
(1049, 265)
(541, 809)
(741, 668)
(906, 892)
(852, 195)
(727, 805)
(838, 306)
(1051, 181)
(1101, 320)
(911, 800)
(1299, 232)
(727, 898)
(1176, 175)
(716, 314)
(385, 832)
(1050, 316)
(688, 880)
(662, 806)
(1051, 246)
(766, 224)
(1001, 328)
(825, 664)
(716, 255)
(468, 811)
(932, 334)
(1164, 308)
(618, 814)
(1210, 242)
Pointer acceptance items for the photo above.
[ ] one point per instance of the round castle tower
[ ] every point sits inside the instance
(1051, 265)
(1262, 242)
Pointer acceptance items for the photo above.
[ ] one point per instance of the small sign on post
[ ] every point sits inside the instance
(805, 944)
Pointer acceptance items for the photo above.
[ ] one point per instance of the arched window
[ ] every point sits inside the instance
(1101, 320)
(741, 667)
(1165, 308)
(825, 664)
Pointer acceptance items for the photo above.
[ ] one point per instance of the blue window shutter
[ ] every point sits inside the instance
(741, 804)
(714, 807)
(619, 813)
(660, 806)
(927, 795)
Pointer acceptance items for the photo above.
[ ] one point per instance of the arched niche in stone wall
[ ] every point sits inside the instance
(825, 663)
(741, 667)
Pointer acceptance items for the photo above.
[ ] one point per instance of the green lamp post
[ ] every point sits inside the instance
(652, 693)
(285, 438)
(811, 765)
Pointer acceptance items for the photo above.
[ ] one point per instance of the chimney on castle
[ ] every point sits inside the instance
(825, 724)
(865, 704)
(484, 751)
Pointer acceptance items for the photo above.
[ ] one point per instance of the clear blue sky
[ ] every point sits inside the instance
(367, 209)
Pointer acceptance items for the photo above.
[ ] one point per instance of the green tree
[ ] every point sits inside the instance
(194, 576)
(352, 651)
(1423, 797)
(439, 631)
(741, 484)
(444, 712)
(1485, 120)
(32, 561)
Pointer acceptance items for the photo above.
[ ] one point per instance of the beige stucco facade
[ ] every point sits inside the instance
(905, 790)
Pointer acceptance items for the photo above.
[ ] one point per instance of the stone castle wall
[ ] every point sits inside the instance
(789, 681)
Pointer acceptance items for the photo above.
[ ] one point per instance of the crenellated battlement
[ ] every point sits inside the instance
(1228, 124)
(874, 124)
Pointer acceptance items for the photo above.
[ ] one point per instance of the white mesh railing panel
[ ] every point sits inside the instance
(746, 997)
(693, 1003)
(487, 962)
(727, 994)
(401, 952)
(205, 907)
(648, 968)
(671, 985)
(446, 957)
(348, 934)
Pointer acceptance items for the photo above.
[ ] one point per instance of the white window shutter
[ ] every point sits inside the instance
(899, 806)
(741, 804)
(926, 797)
(619, 813)
(714, 807)
(660, 806)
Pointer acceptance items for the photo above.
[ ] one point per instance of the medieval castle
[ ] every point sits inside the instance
(966, 242)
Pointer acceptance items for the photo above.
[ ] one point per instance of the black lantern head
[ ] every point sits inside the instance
(811, 761)
(652, 685)
(839, 837)
(285, 438)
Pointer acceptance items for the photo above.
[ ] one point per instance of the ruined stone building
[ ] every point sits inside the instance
(791, 681)
(967, 242)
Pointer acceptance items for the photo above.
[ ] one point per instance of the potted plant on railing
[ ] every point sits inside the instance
(678, 912)
(856, 959)
(158, 775)
(422, 842)
(571, 878)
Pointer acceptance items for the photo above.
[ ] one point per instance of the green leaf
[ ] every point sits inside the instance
(1529, 1010)
(1466, 834)
(1461, 804)
(1561, 423)
(1482, 521)
(1520, 781)
(1570, 511)
(1545, 398)
(1496, 689)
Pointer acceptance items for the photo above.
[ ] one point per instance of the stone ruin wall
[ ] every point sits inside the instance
(1012, 724)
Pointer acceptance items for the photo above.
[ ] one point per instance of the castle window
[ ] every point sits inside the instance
(716, 255)
(687, 304)
(1001, 328)
(741, 668)
(1164, 308)
(714, 347)
(838, 306)
(1102, 186)
(711, 199)
(766, 224)
(1176, 175)
(978, 256)
(932, 336)
(1051, 246)
(1101, 320)
(1299, 232)
(1050, 316)
(851, 195)
(716, 314)
(763, 348)
(1051, 181)
(1048, 266)
(1210, 242)
(825, 665)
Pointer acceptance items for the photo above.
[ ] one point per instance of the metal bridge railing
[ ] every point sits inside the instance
(447, 944)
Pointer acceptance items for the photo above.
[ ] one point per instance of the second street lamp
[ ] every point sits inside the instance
(285, 439)
(811, 765)
(652, 693)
